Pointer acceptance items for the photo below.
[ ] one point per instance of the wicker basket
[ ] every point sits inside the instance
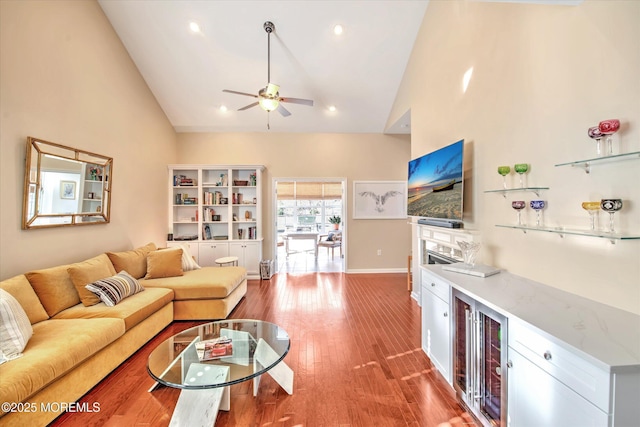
(240, 183)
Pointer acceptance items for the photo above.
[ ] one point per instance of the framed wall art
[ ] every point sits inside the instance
(68, 190)
(379, 200)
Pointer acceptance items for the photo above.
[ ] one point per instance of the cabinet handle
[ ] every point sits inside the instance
(433, 284)
(509, 364)
(547, 355)
(445, 314)
(498, 371)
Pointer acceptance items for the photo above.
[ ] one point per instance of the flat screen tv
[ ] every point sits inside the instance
(435, 184)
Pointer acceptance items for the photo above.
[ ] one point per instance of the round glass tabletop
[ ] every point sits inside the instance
(218, 354)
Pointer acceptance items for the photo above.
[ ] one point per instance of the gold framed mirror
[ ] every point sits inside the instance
(65, 186)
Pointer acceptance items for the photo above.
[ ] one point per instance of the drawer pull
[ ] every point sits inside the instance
(445, 314)
(547, 355)
(498, 371)
(509, 364)
(433, 284)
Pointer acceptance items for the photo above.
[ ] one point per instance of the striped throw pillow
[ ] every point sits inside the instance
(15, 327)
(114, 289)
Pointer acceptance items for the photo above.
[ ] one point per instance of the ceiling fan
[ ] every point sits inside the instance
(268, 97)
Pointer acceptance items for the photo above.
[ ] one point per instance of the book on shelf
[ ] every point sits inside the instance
(211, 198)
(214, 348)
(183, 181)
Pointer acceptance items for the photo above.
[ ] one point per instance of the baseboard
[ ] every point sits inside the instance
(377, 270)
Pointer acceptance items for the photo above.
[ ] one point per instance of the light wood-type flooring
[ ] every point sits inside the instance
(355, 351)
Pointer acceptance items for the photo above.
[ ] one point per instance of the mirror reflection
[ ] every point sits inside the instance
(65, 186)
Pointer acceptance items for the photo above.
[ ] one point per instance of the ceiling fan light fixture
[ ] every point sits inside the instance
(269, 98)
(269, 104)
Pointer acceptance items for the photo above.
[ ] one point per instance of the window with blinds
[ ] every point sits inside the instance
(306, 190)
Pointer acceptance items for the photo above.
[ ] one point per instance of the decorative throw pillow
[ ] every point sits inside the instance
(188, 263)
(133, 262)
(15, 327)
(54, 288)
(114, 289)
(164, 263)
(89, 271)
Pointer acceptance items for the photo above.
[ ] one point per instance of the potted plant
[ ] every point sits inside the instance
(335, 220)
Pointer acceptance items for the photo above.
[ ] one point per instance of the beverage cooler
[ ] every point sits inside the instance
(480, 359)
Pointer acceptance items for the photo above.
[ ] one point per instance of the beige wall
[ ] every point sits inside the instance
(542, 76)
(65, 77)
(351, 156)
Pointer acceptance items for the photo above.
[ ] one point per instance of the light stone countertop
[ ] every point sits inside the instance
(607, 336)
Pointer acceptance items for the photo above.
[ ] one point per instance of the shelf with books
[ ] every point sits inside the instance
(217, 203)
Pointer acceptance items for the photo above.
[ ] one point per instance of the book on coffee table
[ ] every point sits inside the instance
(214, 348)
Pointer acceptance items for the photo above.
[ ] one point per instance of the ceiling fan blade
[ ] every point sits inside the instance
(239, 93)
(272, 89)
(246, 107)
(283, 111)
(308, 102)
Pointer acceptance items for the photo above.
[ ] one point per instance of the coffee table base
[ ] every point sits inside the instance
(281, 373)
(199, 408)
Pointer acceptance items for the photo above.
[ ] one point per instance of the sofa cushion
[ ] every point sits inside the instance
(132, 310)
(15, 328)
(54, 288)
(164, 263)
(112, 290)
(89, 271)
(133, 262)
(205, 283)
(22, 291)
(57, 346)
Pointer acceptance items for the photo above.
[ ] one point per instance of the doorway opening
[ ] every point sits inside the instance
(307, 238)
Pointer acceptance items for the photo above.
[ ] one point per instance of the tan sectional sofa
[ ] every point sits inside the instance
(78, 339)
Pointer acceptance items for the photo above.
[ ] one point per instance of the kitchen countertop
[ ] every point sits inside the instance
(607, 336)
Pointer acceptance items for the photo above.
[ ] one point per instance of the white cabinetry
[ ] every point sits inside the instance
(214, 206)
(436, 322)
(550, 385)
(210, 251)
(248, 254)
(571, 361)
(538, 399)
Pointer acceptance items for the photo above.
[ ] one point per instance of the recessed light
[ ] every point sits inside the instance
(337, 30)
(332, 108)
(223, 108)
(194, 27)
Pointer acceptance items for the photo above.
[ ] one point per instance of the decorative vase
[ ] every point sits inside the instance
(469, 252)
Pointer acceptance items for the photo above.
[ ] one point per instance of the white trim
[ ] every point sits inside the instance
(377, 270)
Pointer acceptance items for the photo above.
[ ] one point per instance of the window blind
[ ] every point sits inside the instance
(306, 190)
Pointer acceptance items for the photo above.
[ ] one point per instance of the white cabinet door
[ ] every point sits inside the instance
(209, 252)
(537, 399)
(248, 254)
(436, 332)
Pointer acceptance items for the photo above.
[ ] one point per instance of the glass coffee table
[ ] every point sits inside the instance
(205, 360)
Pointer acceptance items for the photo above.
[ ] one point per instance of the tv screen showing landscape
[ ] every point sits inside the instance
(435, 184)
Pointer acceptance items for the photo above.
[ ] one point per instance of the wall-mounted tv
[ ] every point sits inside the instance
(435, 184)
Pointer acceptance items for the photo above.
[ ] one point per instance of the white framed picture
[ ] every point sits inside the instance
(379, 199)
(68, 190)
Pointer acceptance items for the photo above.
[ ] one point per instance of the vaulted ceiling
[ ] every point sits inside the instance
(358, 72)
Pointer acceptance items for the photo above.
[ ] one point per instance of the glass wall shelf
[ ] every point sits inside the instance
(504, 191)
(566, 231)
(586, 164)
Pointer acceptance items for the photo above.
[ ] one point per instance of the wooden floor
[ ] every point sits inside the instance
(355, 351)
